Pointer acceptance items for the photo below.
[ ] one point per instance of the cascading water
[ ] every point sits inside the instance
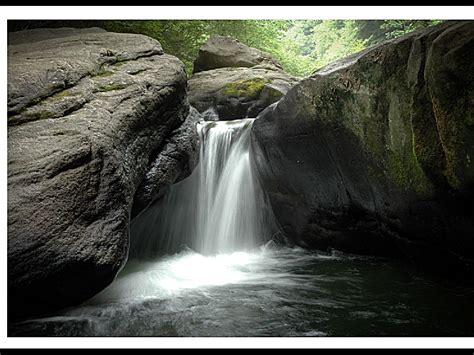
(199, 267)
(230, 200)
(220, 208)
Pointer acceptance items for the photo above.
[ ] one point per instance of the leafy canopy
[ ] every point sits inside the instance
(301, 46)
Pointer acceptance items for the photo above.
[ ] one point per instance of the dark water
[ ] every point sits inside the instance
(272, 291)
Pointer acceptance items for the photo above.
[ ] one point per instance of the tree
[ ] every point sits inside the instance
(301, 46)
(335, 39)
(397, 28)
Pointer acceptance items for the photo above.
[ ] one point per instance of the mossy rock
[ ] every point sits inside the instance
(39, 115)
(64, 93)
(103, 73)
(250, 88)
(111, 87)
(120, 63)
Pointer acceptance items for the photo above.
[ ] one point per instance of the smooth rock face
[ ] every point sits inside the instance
(238, 92)
(221, 52)
(372, 154)
(87, 112)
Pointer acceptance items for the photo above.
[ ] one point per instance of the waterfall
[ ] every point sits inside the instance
(219, 208)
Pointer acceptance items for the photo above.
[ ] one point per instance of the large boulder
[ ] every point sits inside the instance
(238, 92)
(373, 154)
(88, 111)
(222, 52)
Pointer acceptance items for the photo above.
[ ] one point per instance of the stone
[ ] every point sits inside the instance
(222, 52)
(175, 161)
(372, 154)
(87, 112)
(234, 93)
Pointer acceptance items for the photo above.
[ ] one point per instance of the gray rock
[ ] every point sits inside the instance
(238, 92)
(88, 110)
(43, 34)
(372, 154)
(56, 63)
(175, 161)
(222, 52)
(210, 114)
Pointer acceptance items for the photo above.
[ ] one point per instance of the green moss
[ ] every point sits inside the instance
(249, 88)
(410, 157)
(451, 140)
(382, 125)
(103, 73)
(272, 94)
(407, 174)
(35, 101)
(39, 115)
(426, 142)
(64, 93)
(111, 87)
(121, 61)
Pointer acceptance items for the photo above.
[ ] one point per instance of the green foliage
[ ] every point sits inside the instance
(301, 46)
(397, 28)
(335, 39)
(183, 38)
(310, 44)
(296, 46)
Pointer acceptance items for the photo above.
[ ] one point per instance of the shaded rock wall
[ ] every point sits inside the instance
(372, 154)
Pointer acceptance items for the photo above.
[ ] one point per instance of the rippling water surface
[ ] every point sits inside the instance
(271, 291)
